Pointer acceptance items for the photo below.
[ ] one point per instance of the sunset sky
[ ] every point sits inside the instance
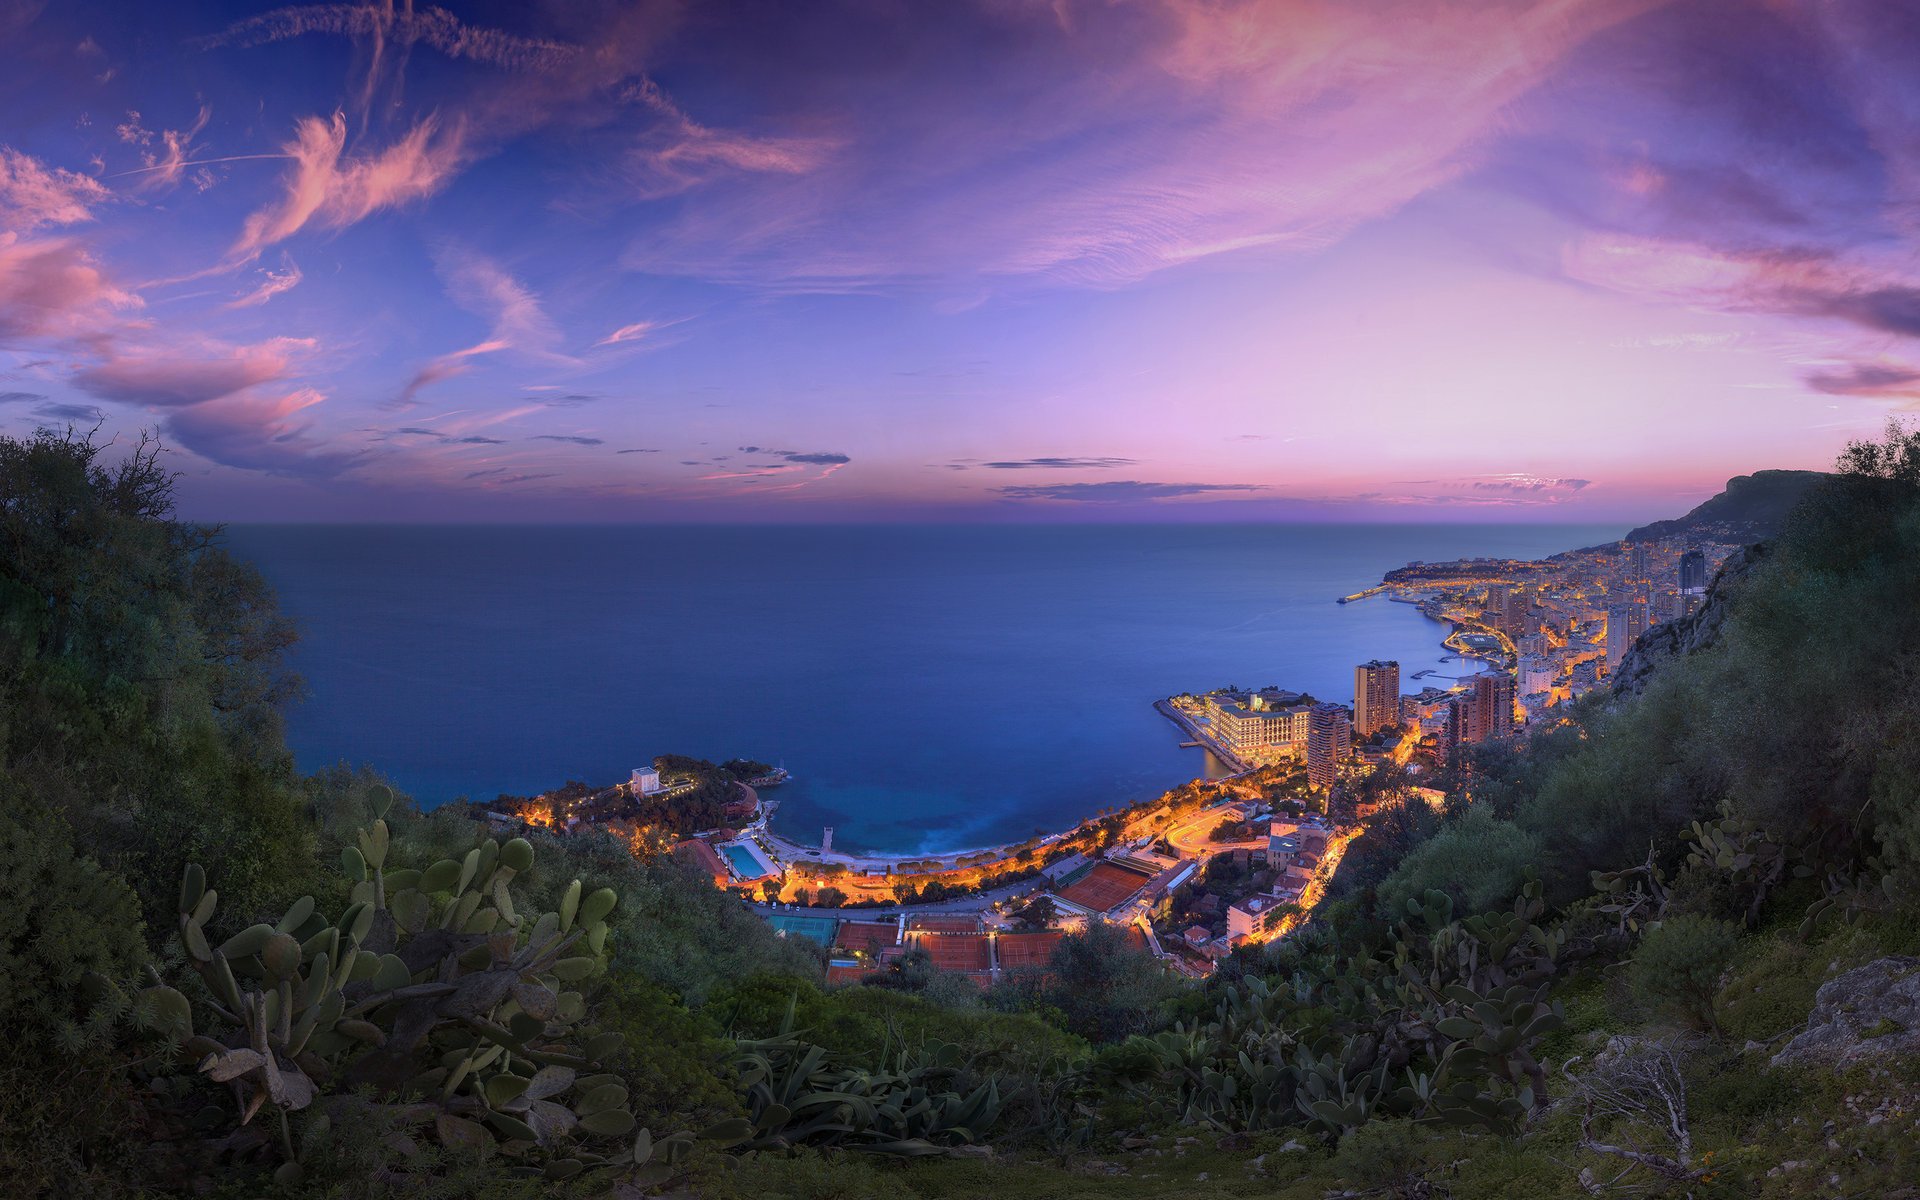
(1088, 259)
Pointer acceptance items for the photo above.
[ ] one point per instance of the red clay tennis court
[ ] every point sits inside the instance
(868, 936)
(1017, 950)
(944, 924)
(956, 951)
(1104, 887)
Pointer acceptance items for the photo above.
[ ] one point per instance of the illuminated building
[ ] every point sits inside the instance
(1488, 714)
(1376, 697)
(1257, 725)
(1625, 623)
(1329, 742)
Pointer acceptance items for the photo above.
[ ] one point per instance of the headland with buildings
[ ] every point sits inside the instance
(1213, 864)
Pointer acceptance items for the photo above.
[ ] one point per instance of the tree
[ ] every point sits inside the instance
(1895, 456)
(770, 888)
(830, 897)
(1679, 964)
(1106, 989)
(141, 670)
(1038, 913)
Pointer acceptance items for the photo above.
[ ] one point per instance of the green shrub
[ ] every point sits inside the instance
(62, 919)
(1388, 1156)
(1679, 964)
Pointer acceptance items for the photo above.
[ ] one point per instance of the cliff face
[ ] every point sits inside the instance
(1676, 639)
(1749, 510)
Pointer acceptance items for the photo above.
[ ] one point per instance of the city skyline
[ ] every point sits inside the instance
(1574, 260)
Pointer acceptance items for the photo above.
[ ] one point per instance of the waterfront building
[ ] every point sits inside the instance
(1329, 742)
(646, 782)
(1258, 726)
(1376, 697)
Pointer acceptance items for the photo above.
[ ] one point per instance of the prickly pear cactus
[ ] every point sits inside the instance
(431, 998)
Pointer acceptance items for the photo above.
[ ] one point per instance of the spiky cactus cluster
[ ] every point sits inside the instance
(1442, 1030)
(432, 995)
(908, 1108)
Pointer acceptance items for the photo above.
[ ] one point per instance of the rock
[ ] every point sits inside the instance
(1868, 1013)
(1291, 1145)
(1235, 1141)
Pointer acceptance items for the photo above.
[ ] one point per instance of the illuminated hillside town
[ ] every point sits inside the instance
(1213, 864)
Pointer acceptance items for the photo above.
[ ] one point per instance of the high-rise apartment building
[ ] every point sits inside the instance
(1489, 708)
(1329, 743)
(1693, 570)
(1625, 623)
(1376, 697)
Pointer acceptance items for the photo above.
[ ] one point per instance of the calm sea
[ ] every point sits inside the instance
(929, 687)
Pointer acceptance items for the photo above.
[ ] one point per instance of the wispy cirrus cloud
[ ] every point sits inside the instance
(516, 319)
(629, 333)
(1174, 131)
(272, 283)
(329, 189)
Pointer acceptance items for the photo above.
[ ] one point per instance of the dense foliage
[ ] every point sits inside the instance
(1568, 980)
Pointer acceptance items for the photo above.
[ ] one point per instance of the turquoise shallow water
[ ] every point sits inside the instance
(930, 687)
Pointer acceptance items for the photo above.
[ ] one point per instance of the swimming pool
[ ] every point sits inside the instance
(745, 865)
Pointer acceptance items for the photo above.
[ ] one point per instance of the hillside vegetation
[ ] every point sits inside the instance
(1668, 948)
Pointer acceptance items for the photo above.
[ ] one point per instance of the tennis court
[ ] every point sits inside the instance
(870, 937)
(957, 951)
(1105, 887)
(944, 924)
(820, 929)
(1018, 950)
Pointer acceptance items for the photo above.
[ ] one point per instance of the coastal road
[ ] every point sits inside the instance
(959, 904)
(1189, 838)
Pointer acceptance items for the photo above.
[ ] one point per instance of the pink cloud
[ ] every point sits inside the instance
(272, 284)
(332, 190)
(166, 168)
(629, 333)
(170, 378)
(53, 287)
(1172, 132)
(680, 152)
(258, 433)
(517, 320)
(33, 194)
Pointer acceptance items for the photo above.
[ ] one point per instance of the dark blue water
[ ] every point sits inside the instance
(929, 686)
